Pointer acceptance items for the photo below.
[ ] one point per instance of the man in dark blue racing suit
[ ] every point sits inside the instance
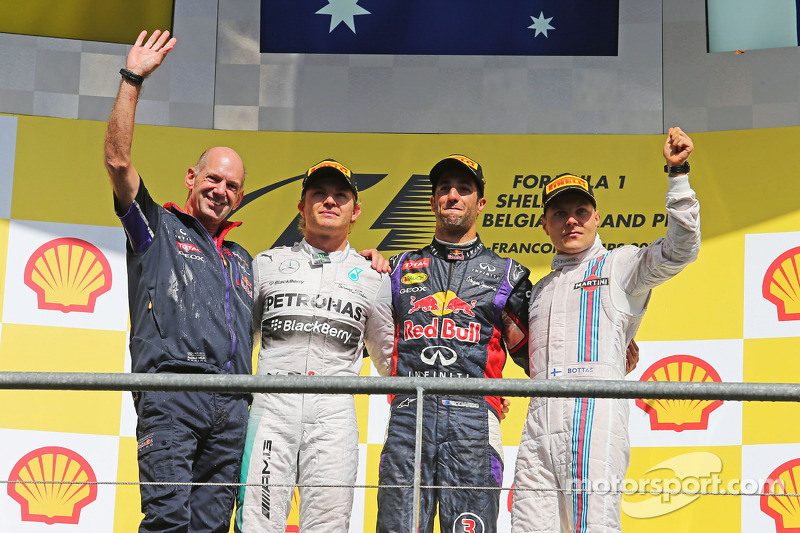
(459, 308)
(190, 293)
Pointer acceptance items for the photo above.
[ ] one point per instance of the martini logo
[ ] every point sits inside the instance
(442, 304)
(688, 473)
(68, 275)
(591, 284)
(776, 501)
(410, 279)
(679, 415)
(52, 485)
(781, 285)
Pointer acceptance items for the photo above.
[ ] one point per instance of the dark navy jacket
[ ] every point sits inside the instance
(190, 294)
(458, 309)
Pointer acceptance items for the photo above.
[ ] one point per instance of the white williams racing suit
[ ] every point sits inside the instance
(582, 317)
(315, 313)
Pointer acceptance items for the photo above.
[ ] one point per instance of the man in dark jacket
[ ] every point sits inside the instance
(190, 294)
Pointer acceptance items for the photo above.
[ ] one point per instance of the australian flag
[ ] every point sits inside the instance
(441, 27)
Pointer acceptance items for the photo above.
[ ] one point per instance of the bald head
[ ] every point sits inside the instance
(222, 154)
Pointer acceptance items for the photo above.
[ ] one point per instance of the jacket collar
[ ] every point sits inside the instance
(224, 227)
(563, 260)
(456, 252)
(310, 251)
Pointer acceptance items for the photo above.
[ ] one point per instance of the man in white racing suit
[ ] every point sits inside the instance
(317, 306)
(582, 317)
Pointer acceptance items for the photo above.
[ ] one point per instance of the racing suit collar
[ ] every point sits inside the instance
(562, 260)
(307, 249)
(468, 250)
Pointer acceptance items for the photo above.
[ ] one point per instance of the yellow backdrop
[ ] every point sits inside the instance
(715, 312)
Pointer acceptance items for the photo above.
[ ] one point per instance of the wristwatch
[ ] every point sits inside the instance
(679, 169)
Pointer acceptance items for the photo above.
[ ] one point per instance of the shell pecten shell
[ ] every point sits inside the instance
(777, 500)
(52, 485)
(679, 415)
(68, 274)
(781, 284)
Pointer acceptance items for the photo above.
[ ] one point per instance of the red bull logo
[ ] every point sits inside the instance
(457, 305)
(429, 303)
(442, 303)
(449, 330)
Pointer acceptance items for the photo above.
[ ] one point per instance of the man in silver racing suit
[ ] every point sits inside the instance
(317, 305)
(582, 316)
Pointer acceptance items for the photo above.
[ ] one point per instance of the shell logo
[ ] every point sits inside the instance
(679, 415)
(782, 284)
(52, 485)
(67, 275)
(775, 502)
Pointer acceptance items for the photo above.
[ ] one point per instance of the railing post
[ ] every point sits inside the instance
(417, 462)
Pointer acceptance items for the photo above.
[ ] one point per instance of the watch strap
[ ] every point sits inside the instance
(131, 76)
(677, 169)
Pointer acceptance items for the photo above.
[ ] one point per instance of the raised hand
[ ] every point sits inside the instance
(143, 59)
(678, 147)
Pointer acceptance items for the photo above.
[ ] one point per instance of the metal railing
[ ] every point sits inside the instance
(417, 386)
(565, 388)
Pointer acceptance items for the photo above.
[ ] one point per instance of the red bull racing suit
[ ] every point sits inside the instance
(582, 317)
(316, 312)
(458, 309)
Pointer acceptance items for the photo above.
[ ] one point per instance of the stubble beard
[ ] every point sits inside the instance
(456, 223)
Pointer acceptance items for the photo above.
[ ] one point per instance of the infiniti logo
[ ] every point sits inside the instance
(488, 267)
(447, 355)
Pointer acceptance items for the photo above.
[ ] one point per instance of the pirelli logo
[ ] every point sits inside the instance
(565, 181)
(466, 160)
(333, 164)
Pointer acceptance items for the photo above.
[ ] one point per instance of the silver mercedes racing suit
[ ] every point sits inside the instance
(315, 312)
(582, 317)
